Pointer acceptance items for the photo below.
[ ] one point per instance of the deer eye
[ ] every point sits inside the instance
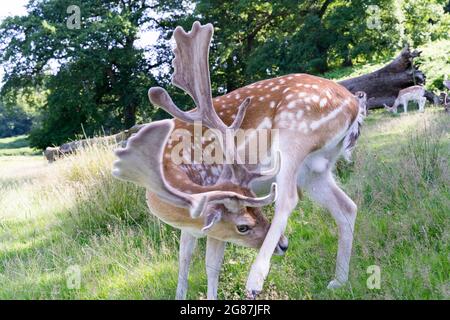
(243, 228)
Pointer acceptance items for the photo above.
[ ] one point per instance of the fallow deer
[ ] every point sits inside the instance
(316, 121)
(444, 97)
(447, 84)
(220, 203)
(413, 93)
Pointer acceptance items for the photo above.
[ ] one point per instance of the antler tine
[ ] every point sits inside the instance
(240, 114)
(253, 175)
(191, 74)
(272, 171)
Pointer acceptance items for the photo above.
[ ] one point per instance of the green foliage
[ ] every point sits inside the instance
(13, 121)
(425, 21)
(258, 39)
(435, 63)
(102, 76)
(16, 146)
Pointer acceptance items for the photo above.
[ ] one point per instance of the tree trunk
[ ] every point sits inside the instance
(382, 86)
(130, 115)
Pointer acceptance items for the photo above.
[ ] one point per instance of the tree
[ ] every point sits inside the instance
(13, 121)
(258, 39)
(425, 20)
(96, 77)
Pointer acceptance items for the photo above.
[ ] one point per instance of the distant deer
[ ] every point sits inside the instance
(445, 100)
(362, 99)
(317, 121)
(413, 93)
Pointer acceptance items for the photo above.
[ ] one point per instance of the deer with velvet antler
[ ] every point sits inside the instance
(316, 121)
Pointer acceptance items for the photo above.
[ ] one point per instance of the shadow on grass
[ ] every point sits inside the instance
(15, 143)
(36, 253)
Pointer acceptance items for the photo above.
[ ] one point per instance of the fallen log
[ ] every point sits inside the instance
(54, 153)
(382, 86)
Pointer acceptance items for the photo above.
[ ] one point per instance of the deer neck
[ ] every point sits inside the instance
(174, 216)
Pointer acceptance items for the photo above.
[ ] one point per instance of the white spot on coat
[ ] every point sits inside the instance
(333, 114)
(303, 127)
(275, 88)
(265, 124)
(291, 104)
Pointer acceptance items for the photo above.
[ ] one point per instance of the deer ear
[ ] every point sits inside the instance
(211, 218)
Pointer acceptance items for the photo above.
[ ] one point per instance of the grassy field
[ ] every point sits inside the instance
(73, 215)
(16, 146)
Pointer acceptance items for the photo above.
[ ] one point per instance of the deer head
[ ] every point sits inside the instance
(230, 200)
(389, 109)
(362, 101)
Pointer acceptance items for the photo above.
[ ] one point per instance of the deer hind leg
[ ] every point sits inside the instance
(323, 189)
(422, 101)
(187, 246)
(284, 205)
(405, 105)
(215, 250)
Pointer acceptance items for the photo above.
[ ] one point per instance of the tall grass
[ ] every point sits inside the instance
(73, 213)
(16, 146)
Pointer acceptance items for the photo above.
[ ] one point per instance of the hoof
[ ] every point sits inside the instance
(335, 284)
(251, 295)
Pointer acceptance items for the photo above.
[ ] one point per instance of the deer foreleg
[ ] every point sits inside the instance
(286, 202)
(215, 250)
(187, 246)
(394, 107)
(405, 105)
(422, 102)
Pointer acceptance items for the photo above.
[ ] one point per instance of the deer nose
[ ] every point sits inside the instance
(282, 246)
(283, 243)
